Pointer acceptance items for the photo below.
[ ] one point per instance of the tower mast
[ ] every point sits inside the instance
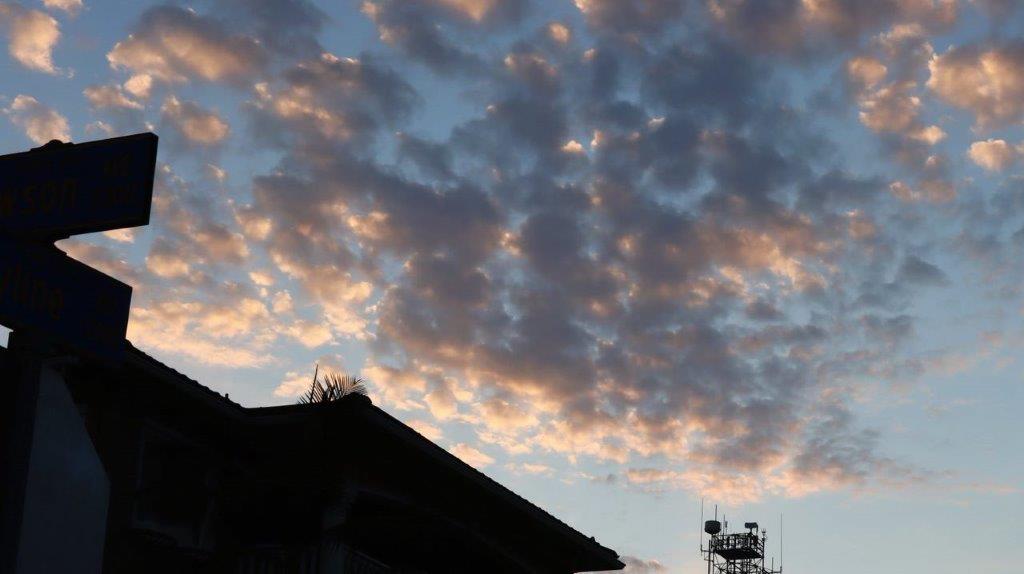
(737, 552)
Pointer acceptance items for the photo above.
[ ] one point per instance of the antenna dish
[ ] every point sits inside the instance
(736, 553)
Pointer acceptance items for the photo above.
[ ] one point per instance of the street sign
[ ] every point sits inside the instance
(50, 300)
(66, 189)
(44, 291)
(54, 192)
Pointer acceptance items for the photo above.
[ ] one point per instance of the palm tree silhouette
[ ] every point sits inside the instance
(331, 387)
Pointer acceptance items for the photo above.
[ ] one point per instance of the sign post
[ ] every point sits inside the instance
(53, 303)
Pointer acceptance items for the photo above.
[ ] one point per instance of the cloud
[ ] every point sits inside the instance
(282, 302)
(630, 245)
(633, 242)
(261, 277)
(441, 401)
(310, 334)
(533, 70)
(174, 45)
(286, 27)
(31, 36)
(890, 109)
(121, 235)
(396, 386)
(466, 12)
(817, 27)
(475, 10)
(139, 85)
(530, 468)
(987, 81)
(104, 259)
(101, 97)
(636, 565)
(929, 135)
(832, 455)
(734, 488)
(713, 78)
(100, 127)
(218, 243)
(884, 80)
(503, 415)
(918, 271)
(997, 7)
(215, 173)
(197, 125)
(166, 260)
(41, 123)
(72, 7)
(630, 17)
(632, 302)
(218, 334)
(559, 32)
(428, 430)
(894, 107)
(293, 385)
(470, 455)
(993, 154)
(434, 160)
(428, 32)
(238, 319)
(866, 72)
(773, 24)
(197, 236)
(334, 99)
(329, 284)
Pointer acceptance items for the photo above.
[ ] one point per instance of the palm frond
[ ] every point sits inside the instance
(332, 387)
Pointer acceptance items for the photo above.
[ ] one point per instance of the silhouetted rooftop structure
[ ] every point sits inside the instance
(736, 552)
(199, 483)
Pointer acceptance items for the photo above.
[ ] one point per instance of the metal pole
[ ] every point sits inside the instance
(709, 557)
(711, 539)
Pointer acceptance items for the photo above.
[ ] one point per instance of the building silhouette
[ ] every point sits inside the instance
(181, 479)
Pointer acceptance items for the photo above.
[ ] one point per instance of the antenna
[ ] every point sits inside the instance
(743, 552)
(702, 522)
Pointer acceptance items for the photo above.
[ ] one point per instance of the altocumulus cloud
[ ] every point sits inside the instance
(631, 246)
(195, 124)
(40, 122)
(31, 36)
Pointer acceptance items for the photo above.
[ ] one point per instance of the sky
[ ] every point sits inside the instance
(619, 255)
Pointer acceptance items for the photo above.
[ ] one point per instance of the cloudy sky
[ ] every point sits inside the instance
(620, 255)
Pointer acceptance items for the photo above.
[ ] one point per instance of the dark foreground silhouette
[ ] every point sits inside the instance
(198, 483)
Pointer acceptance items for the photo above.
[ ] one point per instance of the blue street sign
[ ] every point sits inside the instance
(44, 291)
(66, 189)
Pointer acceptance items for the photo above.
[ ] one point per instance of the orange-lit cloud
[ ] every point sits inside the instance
(196, 124)
(31, 35)
(173, 45)
(471, 456)
(989, 82)
(40, 122)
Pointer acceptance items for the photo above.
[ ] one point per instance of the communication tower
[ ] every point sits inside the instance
(736, 552)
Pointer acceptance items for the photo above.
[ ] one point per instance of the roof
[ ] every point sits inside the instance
(588, 545)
